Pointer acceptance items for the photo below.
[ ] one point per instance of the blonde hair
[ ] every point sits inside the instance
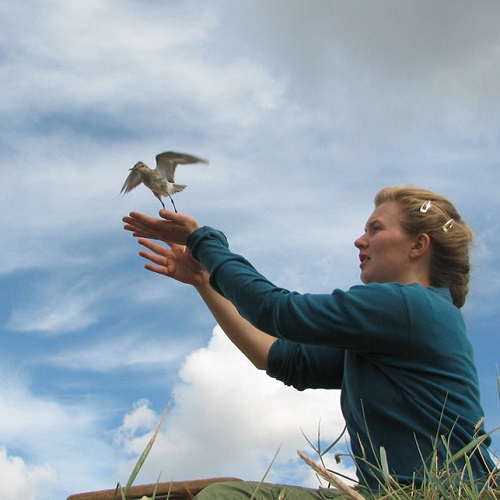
(424, 211)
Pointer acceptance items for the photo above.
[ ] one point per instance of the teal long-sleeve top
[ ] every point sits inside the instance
(399, 353)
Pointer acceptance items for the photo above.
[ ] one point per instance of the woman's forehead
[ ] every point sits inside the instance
(387, 211)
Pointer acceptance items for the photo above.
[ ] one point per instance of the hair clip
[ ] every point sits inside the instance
(448, 225)
(425, 206)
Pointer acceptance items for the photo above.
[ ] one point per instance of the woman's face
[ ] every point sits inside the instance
(384, 248)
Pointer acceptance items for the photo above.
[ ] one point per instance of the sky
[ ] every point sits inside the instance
(305, 109)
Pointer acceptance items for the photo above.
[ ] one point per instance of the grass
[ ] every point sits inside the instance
(447, 481)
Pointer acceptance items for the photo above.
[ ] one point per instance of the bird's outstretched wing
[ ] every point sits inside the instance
(132, 181)
(167, 162)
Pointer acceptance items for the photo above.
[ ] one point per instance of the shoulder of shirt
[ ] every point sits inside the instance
(414, 289)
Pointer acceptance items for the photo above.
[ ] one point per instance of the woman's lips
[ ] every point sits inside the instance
(363, 259)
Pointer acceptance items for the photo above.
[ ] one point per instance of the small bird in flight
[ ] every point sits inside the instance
(161, 179)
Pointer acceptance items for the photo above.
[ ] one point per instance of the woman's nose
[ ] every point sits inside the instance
(360, 242)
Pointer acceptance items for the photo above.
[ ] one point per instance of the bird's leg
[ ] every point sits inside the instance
(161, 201)
(173, 204)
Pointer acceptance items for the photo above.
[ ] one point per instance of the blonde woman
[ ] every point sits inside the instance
(396, 346)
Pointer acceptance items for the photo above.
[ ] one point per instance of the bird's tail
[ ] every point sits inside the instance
(177, 188)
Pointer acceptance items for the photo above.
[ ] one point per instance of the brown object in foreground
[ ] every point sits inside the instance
(178, 490)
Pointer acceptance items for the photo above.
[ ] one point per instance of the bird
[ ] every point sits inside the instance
(161, 179)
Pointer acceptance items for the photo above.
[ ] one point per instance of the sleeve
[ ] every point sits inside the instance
(367, 318)
(306, 367)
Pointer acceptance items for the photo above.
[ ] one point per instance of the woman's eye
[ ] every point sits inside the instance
(372, 229)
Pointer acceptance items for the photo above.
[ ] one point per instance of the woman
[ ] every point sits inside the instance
(396, 346)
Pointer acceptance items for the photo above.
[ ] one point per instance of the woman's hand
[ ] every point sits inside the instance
(175, 262)
(174, 228)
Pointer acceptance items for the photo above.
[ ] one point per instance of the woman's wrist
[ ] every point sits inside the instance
(203, 282)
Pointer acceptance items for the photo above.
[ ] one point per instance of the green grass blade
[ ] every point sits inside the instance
(438, 485)
(169, 490)
(473, 444)
(146, 451)
(385, 466)
(153, 496)
(119, 489)
(116, 491)
(265, 475)
(472, 483)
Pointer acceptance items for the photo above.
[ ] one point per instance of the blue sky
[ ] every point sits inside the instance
(305, 110)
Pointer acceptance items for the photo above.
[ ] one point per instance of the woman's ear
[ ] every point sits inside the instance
(421, 246)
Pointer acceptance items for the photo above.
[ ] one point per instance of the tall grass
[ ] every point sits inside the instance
(440, 480)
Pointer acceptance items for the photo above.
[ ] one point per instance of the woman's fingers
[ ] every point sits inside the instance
(154, 247)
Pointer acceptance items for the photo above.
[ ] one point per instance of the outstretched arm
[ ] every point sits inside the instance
(176, 262)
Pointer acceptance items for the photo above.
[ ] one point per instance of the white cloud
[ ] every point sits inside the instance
(141, 418)
(140, 352)
(230, 419)
(80, 69)
(401, 44)
(85, 88)
(59, 445)
(18, 480)
(56, 309)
